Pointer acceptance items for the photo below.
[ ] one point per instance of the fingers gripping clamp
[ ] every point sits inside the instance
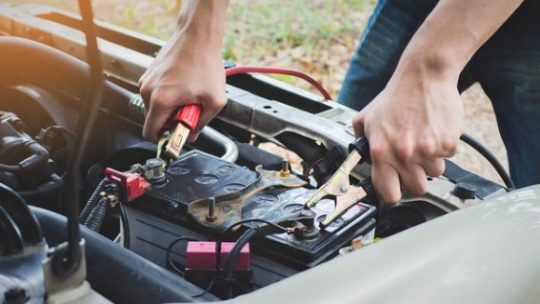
(361, 145)
(338, 185)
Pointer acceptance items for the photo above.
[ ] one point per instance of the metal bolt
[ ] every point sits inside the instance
(154, 170)
(284, 169)
(112, 200)
(211, 217)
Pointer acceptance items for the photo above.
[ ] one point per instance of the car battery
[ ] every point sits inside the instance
(161, 215)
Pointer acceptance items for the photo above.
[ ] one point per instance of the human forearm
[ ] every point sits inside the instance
(189, 68)
(416, 121)
(203, 21)
(451, 34)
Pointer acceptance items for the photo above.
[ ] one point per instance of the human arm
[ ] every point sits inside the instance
(416, 120)
(188, 69)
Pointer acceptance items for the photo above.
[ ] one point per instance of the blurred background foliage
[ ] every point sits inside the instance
(315, 36)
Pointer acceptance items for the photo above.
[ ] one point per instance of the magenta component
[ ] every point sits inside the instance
(202, 256)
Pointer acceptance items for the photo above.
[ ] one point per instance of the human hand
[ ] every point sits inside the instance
(188, 69)
(412, 125)
(182, 74)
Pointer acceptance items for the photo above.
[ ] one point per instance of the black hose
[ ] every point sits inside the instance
(18, 210)
(466, 138)
(55, 184)
(10, 168)
(90, 108)
(228, 269)
(11, 239)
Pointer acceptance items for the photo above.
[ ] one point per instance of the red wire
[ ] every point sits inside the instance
(281, 71)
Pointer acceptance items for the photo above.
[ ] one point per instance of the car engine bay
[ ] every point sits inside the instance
(226, 218)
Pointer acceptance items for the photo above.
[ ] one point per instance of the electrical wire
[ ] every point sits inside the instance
(280, 71)
(233, 257)
(125, 224)
(170, 262)
(168, 256)
(207, 288)
(242, 240)
(232, 226)
(466, 138)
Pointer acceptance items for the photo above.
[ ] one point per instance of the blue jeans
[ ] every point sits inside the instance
(507, 67)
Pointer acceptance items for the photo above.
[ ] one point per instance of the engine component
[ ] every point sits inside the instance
(22, 250)
(201, 197)
(25, 164)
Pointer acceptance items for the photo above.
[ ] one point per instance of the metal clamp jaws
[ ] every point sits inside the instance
(339, 184)
(182, 123)
(344, 203)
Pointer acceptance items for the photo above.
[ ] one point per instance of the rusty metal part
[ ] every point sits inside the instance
(154, 170)
(284, 172)
(228, 208)
(211, 216)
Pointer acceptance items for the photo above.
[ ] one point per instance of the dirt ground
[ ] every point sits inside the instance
(302, 34)
(481, 124)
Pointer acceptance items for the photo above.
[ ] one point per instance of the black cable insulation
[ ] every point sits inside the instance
(168, 256)
(228, 268)
(251, 221)
(93, 200)
(473, 143)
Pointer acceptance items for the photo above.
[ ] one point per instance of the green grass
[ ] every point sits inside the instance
(276, 25)
(316, 36)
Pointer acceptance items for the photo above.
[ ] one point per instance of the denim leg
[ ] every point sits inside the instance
(388, 32)
(508, 68)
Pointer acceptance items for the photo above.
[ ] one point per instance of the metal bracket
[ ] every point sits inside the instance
(228, 207)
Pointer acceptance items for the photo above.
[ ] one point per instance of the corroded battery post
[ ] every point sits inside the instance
(284, 172)
(154, 170)
(211, 217)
